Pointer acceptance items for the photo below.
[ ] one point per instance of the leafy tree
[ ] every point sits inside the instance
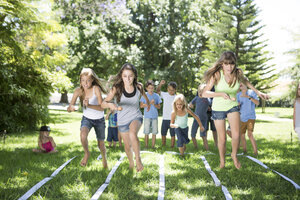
(161, 38)
(237, 29)
(24, 66)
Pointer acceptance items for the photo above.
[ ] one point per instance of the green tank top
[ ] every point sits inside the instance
(221, 104)
(181, 121)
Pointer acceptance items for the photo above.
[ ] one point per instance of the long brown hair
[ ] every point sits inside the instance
(118, 81)
(227, 57)
(96, 81)
(182, 98)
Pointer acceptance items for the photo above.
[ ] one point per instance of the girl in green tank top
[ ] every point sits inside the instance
(226, 78)
(179, 120)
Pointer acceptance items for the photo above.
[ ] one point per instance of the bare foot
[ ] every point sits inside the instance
(236, 162)
(139, 165)
(104, 163)
(85, 159)
(222, 165)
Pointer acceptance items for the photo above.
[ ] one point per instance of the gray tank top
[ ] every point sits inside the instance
(131, 108)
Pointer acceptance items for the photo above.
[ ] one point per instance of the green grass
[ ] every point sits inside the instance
(186, 178)
(276, 112)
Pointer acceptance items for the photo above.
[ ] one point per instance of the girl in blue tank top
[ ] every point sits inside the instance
(179, 120)
(225, 76)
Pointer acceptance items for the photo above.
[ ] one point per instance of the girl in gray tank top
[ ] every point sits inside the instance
(127, 91)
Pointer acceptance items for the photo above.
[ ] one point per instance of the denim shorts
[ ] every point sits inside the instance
(98, 124)
(112, 134)
(150, 126)
(221, 115)
(182, 136)
(165, 125)
(125, 128)
(210, 123)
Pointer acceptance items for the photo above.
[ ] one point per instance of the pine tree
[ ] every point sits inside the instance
(237, 29)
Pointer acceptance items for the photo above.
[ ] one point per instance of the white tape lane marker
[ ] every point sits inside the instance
(226, 193)
(213, 175)
(266, 167)
(161, 192)
(105, 184)
(175, 153)
(286, 178)
(216, 180)
(146, 152)
(258, 162)
(42, 182)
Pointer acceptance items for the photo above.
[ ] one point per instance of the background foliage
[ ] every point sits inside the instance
(46, 43)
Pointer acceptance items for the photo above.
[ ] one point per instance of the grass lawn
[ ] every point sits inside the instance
(185, 178)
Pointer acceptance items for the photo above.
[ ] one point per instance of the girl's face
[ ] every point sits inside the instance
(150, 89)
(45, 133)
(298, 90)
(128, 77)
(179, 104)
(228, 67)
(86, 81)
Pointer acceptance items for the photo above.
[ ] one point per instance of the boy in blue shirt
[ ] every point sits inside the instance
(202, 105)
(247, 100)
(151, 116)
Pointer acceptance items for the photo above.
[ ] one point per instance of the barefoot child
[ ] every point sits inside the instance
(127, 91)
(202, 105)
(247, 100)
(112, 130)
(226, 78)
(179, 120)
(90, 94)
(45, 142)
(151, 116)
(168, 98)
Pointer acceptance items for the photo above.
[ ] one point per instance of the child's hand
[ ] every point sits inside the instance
(85, 102)
(120, 108)
(202, 128)
(152, 102)
(71, 109)
(263, 96)
(174, 126)
(225, 96)
(162, 82)
(148, 107)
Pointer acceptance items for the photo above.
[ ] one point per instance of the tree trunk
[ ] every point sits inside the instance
(64, 97)
(263, 106)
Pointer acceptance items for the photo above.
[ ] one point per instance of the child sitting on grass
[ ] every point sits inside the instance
(179, 120)
(45, 142)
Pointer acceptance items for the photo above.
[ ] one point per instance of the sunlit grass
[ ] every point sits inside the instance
(186, 178)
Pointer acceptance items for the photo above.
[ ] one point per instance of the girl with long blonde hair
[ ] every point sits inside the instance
(90, 94)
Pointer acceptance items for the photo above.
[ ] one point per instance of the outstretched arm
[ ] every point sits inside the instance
(260, 94)
(172, 123)
(76, 94)
(106, 103)
(145, 96)
(162, 82)
(197, 118)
